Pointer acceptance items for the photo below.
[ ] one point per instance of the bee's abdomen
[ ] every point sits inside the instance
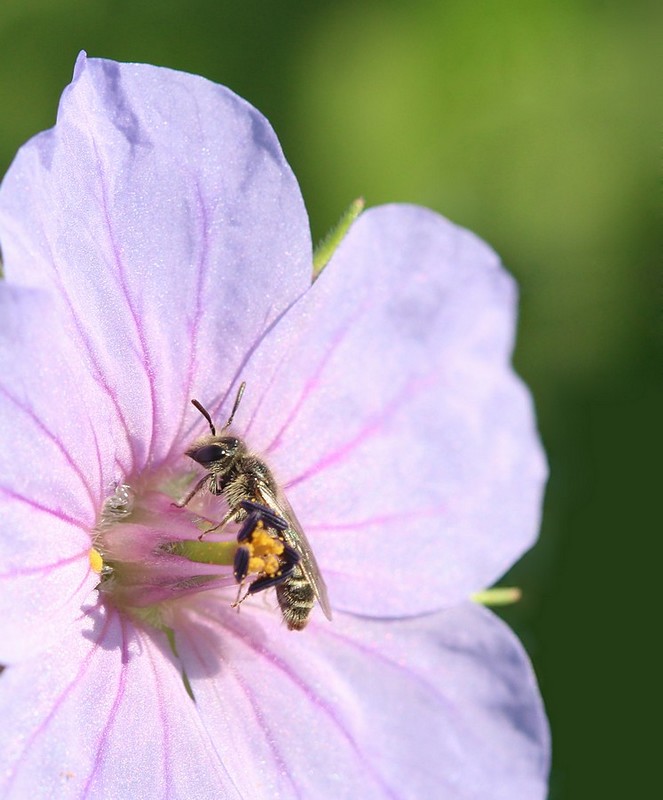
(296, 599)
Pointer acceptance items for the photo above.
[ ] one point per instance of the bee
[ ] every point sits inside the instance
(255, 499)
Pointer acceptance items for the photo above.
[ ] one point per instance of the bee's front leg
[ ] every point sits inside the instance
(230, 516)
(192, 493)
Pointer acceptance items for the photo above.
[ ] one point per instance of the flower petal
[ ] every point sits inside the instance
(50, 451)
(386, 403)
(443, 705)
(104, 714)
(162, 213)
(51, 477)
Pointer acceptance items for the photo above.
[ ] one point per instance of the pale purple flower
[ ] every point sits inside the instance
(156, 248)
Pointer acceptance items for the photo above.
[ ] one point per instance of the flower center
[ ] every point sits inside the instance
(150, 553)
(139, 551)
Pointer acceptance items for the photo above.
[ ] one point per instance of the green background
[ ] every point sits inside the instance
(536, 125)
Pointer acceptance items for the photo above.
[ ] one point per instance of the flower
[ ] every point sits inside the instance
(156, 249)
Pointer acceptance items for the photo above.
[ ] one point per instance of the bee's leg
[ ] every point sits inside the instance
(260, 584)
(231, 516)
(192, 493)
(238, 602)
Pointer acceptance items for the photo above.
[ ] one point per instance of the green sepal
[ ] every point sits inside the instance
(325, 249)
(498, 596)
(170, 634)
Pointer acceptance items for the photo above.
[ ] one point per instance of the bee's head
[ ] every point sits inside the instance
(216, 453)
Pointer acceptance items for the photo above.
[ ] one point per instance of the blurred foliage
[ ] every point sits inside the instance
(534, 123)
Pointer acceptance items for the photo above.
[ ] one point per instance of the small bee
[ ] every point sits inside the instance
(254, 497)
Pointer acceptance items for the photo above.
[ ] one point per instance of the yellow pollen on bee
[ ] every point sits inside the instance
(269, 565)
(264, 551)
(263, 543)
(96, 560)
(272, 565)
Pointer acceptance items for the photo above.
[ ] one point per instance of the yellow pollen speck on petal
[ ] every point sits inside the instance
(96, 561)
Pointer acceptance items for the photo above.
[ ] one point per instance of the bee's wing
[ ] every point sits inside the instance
(296, 538)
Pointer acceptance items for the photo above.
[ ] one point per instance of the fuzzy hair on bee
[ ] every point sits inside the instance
(245, 481)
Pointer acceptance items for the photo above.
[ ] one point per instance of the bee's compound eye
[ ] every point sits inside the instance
(209, 453)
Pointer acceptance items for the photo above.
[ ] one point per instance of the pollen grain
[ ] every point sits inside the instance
(96, 560)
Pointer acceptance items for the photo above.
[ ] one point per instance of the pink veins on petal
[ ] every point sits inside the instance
(157, 249)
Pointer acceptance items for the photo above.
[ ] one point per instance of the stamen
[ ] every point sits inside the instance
(268, 516)
(248, 527)
(260, 552)
(271, 580)
(242, 563)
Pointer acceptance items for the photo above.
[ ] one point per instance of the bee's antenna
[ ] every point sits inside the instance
(238, 399)
(205, 414)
